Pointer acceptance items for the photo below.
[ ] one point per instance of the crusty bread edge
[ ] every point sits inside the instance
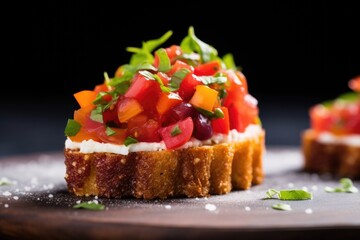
(336, 159)
(191, 172)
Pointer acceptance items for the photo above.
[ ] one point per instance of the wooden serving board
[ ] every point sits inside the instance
(37, 205)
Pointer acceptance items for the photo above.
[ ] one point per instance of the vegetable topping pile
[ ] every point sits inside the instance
(166, 94)
(340, 116)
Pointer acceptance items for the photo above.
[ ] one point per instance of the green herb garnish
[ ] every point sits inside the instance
(96, 114)
(229, 62)
(148, 75)
(130, 140)
(298, 194)
(5, 182)
(177, 78)
(109, 131)
(164, 61)
(90, 206)
(192, 44)
(72, 128)
(175, 131)
(207, 80)
(346, 186)
(282, 206)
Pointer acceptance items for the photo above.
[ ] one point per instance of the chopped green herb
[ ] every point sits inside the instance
(72, 128)
(99, 98)
(282, 206)
(129, 140)
(164, 61)
(346, 186)
(207, 80)
(175, 131)
(349, 97)
(109, 131)
(229, 62)
(218, 113)
(96, 114)
(177, 78)
(4, 181)
(192, 44)
(90, 206)
(298, 194)
(144, 54)
(148, 75)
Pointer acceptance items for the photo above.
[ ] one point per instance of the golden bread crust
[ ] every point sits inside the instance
(337, 159)
(189, 172)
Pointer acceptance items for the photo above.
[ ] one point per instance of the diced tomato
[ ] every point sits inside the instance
(88, 126)
(354, 84)
(221, 125)
(187, 86)
(85, 98)
(243, 113)
(179, 65)
(128, 108)
(103, 88)
(144, 129)
(337, 119)
(173, 138)
(139, 86)
(117, 138)
(208, 68)
(173, 52)
(236, 89)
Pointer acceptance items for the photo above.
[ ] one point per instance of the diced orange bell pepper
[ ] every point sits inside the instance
(128, 108)
(204, 98)
(167, 101)
(85, 98)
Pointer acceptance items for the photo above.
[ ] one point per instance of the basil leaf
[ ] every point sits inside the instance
(109, 131)
(229, 62)
(298, 194)
(175, 131)
(346, 186)
(177, 78)
(218, 113)
(349, 97)
(192, 44)
(99, 98)
(164, 60)
(90, 206)
(207, 80)
(96, 114)
(129, 140)
(72, 128)
(282, 206)
(148, 75)
(144, 54)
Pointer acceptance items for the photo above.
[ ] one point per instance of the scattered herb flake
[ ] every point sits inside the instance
(296, 194)
(109, 131)
(282, 206)
(90, 206)
(346, 186)
(72, 128)
(164, 61)
(175, 131)
(4, 182)
(130, 140)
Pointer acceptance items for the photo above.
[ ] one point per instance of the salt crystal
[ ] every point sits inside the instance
(78, 201)
(27, 188)
(7, 193)
(51, 196)
(167, 206)
(314, 187)
(308, 211)
(247, 208)
(305, 188)
(96, 197)
(34, 181)
(96, 201)
(290, 185)
(16, 197)
(6, 205)
(210, 207)
(38, 199)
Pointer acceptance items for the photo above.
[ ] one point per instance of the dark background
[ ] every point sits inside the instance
(293, 53)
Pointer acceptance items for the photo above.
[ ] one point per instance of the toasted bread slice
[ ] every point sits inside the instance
(338, 159)
(189, 172)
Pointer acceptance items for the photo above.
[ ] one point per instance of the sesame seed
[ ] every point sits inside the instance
(210, 207)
